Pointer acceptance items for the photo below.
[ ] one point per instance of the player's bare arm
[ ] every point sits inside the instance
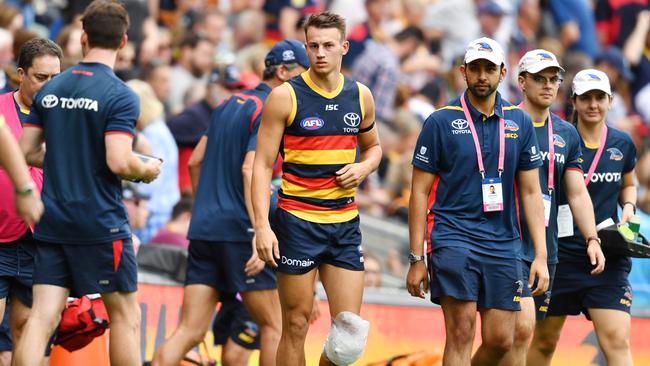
(417, 279)
(31, 143)
(628, 194)
(352, 175)
(121, 160)
(196, 159)
(580, 201)
(274, 116)
(531, 198)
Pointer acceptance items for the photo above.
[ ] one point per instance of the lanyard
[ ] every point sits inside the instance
(477, 145)
(599, 152)
(551, 154)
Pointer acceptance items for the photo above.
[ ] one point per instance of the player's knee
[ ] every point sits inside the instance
(461, 333)
(297, 323)
(347, 338)
(615, 339)
(499, 342)
(523, 332)
(126, 314)
(544, 345)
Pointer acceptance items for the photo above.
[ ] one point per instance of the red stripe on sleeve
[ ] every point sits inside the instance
(431, 216)
(32, 125)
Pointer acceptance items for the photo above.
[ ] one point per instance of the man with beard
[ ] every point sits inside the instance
(478, 141)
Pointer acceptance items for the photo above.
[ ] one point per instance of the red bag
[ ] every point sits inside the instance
(82, 320)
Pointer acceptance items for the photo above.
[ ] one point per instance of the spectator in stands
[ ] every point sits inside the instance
(372, 270)
(370, 30)
(193, 65)
(577, 25)
(175, 231)
(378, 67)
(158, 75)
(6, 59)
(636, 51)
(211, 23)
(189, 126)
(616, 19)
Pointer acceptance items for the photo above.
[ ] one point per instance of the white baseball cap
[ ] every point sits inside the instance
(537, 60)
(484, 48)
(590, 79)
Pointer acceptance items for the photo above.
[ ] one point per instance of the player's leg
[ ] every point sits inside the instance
(264, 307)
(52, 281)
(6, 344)
(199, 300)
(460, 326)
(18, 317)
(613, 332)
(524, 328)
(296, 295)
(232, 354)
(545, 339)
(124, 315)
(49, 302)
(499, 301)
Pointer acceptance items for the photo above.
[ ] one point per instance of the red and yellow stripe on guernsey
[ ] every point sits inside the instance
(317, 150)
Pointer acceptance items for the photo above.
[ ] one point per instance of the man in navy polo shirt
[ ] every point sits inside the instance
(87, 116)
(222, 258)
(478, 141)
(559, 142)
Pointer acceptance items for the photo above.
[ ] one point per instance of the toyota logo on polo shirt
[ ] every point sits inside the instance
(352, 119)
(50, 101)
(459, 124)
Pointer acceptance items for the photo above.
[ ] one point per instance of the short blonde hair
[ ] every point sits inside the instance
(151, 109)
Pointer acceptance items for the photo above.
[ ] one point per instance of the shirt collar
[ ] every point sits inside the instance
(498, 107)
(264, 87)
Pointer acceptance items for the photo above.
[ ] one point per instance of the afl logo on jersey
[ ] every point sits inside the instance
(312, 123)
(558, 141)
(511, 126)
(615, 154)
(50, 101)
(352, 119)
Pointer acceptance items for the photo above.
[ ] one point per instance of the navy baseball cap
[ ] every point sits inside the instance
(228, 76)
(288, 51)
(614, 57)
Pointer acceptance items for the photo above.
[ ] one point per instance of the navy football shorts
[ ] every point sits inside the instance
(87, 268)
(575, 290)
(235, 322)
(461, 273)
(17, 268)
(220, 265)
(542, 301)
(306, 245)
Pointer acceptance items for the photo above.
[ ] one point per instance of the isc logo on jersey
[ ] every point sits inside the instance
(312, 123)
(51, 101)
(460, 126)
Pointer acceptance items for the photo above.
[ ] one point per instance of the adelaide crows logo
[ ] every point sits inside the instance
(511, 126)
(593, 77)
(558, 141)
(543, 56)
(483, 46)
(615, 154)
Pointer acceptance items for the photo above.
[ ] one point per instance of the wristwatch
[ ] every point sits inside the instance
(26, 190)
(415, 258)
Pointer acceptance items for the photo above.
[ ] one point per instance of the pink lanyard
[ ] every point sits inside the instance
(477, 145)
(599, 152)
(551, 154)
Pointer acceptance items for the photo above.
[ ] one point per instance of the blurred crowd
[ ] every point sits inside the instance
(185, 56)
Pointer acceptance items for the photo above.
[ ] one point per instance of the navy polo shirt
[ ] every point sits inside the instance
(567, 156)
(219, 212)
(445, 147)
(81, 195)
(618, 158)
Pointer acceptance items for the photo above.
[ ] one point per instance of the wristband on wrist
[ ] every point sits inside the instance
(593, 238)
(630, 203)
(26, 190)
